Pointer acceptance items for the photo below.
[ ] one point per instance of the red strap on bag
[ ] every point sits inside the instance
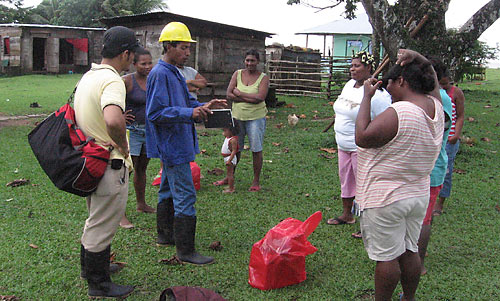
(72, 161)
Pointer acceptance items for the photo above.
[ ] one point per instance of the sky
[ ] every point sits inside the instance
(275, 16)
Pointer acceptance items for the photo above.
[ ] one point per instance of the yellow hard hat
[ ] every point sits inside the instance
(175, 32)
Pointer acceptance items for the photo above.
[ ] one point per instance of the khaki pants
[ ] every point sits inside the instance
(106, 207)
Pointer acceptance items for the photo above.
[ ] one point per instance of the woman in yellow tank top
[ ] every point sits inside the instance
(248, 90)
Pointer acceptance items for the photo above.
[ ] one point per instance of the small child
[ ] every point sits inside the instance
(228, 151)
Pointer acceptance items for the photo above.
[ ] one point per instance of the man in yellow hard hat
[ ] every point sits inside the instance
(171, 136)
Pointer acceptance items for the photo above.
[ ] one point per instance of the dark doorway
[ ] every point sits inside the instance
(39, 54)
(65, 52)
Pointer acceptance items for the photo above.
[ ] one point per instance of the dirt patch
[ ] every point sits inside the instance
(6, 120)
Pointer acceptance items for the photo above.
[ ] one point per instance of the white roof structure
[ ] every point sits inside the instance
(359, 25)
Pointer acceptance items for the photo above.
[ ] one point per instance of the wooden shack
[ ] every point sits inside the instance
(219, 51)
(36, 48)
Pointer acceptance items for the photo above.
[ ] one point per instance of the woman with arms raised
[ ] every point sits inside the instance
(396, 153)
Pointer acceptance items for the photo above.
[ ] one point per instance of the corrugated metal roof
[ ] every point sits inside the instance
(359, 25)
(50, 26)
(161, 15)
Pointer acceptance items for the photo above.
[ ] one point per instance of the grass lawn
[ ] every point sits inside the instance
(40, 226)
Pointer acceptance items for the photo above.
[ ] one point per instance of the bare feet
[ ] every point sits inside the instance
(228, 190)
(145, 208)
(254, 188)
(125, 223)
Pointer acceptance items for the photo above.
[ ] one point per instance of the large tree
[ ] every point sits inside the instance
(87, 12)
(12, 11)
(388, 23)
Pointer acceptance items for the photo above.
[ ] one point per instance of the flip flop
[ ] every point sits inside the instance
(219, 183)
(127, 226)
(437, 212)
(357, 234)
(337, 221)
(254, 188)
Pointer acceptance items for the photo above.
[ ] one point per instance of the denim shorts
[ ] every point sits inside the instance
(255, 130)
(137, 139)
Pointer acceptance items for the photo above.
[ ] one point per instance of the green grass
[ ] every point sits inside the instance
(464, 251)
(49, 91)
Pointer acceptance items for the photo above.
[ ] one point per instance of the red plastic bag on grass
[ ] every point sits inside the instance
(279, 259)
(195, 173)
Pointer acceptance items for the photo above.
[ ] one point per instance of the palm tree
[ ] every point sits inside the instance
(145, 6)
(47, 12)
(111, 8)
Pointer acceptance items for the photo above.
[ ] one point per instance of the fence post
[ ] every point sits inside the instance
(330, 78)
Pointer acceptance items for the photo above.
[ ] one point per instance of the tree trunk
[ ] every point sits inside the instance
(376, 48)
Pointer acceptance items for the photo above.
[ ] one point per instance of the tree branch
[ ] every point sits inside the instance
(481, 20)
(320, 8)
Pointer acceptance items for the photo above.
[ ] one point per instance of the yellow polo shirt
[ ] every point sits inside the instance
(99, 87)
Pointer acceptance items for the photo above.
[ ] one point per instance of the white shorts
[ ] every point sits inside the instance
(391, 230)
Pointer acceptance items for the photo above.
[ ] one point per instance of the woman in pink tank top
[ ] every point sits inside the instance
(396, 154)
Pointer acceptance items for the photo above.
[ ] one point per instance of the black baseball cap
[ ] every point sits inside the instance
(118, 39)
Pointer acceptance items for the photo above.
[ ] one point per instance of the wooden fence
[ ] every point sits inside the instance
(323, 80)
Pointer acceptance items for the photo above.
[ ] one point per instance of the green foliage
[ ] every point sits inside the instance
(12, 11)
(75, 12)
(463, 53)
(474, 60)
(297, 180)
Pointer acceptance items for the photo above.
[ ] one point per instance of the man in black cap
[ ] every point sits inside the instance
(99, 107)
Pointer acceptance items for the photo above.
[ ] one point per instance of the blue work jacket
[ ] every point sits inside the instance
(170, 132)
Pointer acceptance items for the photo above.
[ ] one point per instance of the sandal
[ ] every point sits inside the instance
(437, 212)
(357, 234)
(337, 221)
(146, 209)
(219, 183)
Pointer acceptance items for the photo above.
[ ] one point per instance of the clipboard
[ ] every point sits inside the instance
(220, 118)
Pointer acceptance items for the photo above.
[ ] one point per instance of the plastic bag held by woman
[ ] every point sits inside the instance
(279, 259)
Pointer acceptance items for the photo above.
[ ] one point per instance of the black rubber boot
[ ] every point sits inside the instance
(165, 223)
(184, 232)
(97, 271)
(113, 267)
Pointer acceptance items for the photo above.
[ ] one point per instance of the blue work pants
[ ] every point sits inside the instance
(177, 183)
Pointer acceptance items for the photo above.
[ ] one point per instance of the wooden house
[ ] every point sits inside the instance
(219, 51)
(36, 48)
